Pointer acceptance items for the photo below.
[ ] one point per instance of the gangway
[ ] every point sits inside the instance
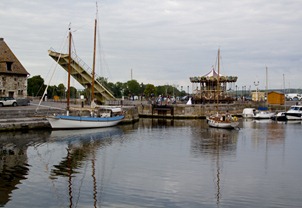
(81, 72)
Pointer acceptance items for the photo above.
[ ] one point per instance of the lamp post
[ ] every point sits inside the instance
(256, 85)
(236, 92)
(188, 89)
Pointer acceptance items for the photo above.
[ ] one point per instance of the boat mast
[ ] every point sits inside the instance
(218, 84)
(94, 54)
(69, 71)
(93, 66)
(266, 87)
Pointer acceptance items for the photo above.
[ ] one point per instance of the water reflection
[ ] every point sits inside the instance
(209, 140)
(163, 123)
(82, 148)
(215, 143)
(147, 164)
(13, 160)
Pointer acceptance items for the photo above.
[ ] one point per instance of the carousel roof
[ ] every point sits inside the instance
(212, 73)
(212, 76)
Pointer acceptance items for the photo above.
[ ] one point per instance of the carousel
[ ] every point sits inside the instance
(212, 87)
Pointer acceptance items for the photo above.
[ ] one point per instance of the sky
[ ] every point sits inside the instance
(161, 41)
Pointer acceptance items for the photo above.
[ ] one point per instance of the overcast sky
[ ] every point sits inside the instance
(162, 41)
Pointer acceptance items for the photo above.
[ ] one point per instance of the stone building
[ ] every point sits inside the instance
(13, 76)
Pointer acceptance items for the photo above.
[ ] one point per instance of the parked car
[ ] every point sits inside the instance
(7, 101)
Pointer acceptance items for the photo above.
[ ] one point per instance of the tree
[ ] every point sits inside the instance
(102, 80)
(119, 89)
(35, 86)
(73, 92)
(61, 90)
(161, 90)
(133, 87)
(150, 90)
(52, 91)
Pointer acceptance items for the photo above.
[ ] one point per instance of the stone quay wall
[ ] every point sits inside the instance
(187, 111)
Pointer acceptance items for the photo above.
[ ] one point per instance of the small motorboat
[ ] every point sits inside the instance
(248, 112)
(263, 115)
(294, 113)
(280, 116)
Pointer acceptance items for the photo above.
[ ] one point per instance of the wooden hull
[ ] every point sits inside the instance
(78, 122)
(222, 121)
(223, 125)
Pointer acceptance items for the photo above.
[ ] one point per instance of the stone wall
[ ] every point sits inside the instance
(191, 111)
(14, 86)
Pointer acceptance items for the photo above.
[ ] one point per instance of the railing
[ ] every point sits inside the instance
(86, 68)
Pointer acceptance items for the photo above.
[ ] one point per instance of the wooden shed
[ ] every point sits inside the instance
(275, 97)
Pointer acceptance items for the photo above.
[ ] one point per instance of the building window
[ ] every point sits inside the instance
(20, 92)
(9, 66)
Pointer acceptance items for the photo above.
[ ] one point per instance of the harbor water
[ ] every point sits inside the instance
(154, 163)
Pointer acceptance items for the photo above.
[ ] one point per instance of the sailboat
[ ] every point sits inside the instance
(218, 120)
(97, 118)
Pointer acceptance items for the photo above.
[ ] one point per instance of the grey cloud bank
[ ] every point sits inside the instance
(163, 42)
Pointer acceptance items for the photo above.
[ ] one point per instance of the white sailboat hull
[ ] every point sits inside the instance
(78, 122)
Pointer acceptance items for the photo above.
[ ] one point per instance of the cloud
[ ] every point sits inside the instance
(163, 42)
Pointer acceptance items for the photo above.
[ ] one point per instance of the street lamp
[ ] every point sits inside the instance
(236, 92)
(244, 90)
(256, 85)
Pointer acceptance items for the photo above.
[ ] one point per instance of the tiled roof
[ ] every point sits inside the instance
(7, 57)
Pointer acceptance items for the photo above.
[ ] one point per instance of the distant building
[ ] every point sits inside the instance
(13, 76)
(258, 96)
(275, 97)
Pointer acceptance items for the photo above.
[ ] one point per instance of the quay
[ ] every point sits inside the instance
(23, 118)
(200, 111)
(29, 117)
